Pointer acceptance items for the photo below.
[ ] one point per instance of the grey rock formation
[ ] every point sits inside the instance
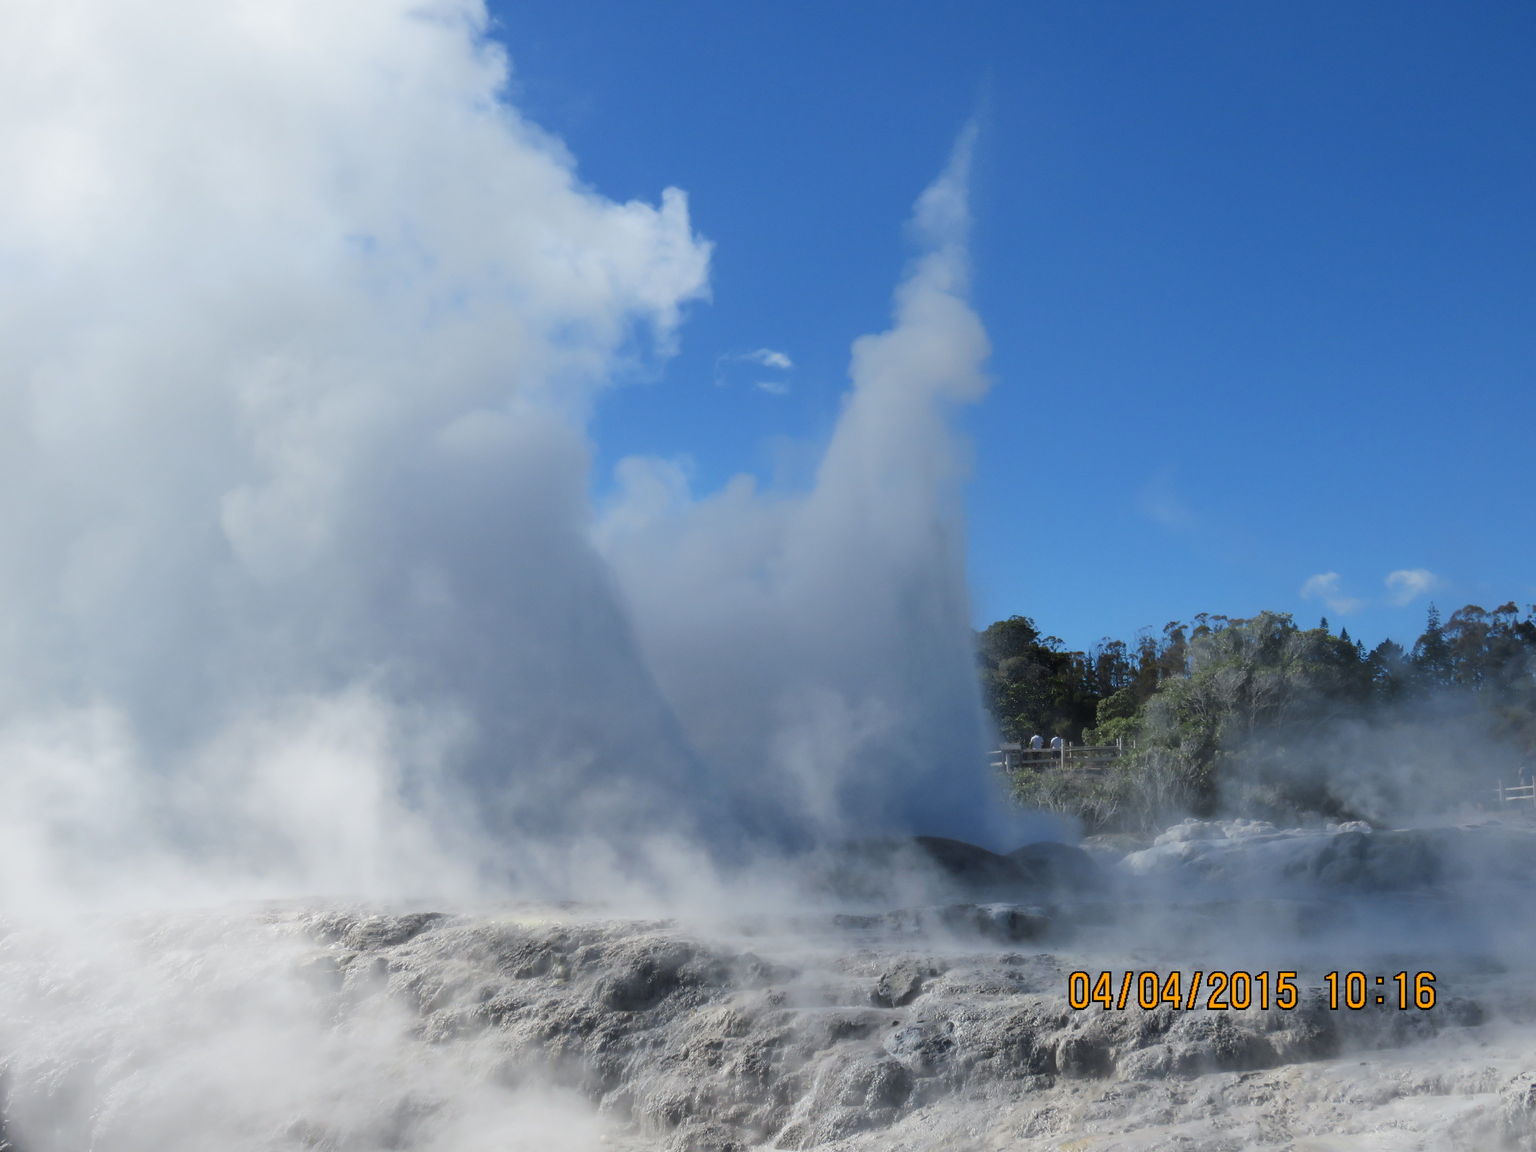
(868, 1028)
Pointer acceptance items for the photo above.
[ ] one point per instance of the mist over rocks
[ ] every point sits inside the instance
(908, 871)
(1350, 856)
(669, 1037)
(1061, 868)
(788, 1025)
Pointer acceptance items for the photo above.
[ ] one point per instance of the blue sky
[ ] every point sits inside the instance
(1259, 278)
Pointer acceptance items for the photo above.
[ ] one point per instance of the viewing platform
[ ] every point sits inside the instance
(1085, 758)
(1523, 792)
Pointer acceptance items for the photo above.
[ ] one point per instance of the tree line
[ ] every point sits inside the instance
(1258, 716)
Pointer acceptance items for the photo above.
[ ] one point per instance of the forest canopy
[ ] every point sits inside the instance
(1259, 717)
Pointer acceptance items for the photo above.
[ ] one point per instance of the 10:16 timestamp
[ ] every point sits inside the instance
(1355, 990)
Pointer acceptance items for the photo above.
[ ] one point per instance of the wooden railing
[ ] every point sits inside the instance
(1523, 792)
(1079, 758)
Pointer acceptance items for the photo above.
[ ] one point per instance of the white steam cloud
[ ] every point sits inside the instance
(300, 328)
(857, 586)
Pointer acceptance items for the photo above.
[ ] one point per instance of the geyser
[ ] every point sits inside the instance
(304, 596)
(301, 327)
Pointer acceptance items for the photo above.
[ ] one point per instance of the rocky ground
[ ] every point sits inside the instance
(839, 1025)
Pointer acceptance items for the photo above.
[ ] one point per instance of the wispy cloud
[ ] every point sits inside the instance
(1409, 584)
(728, 365)
(1160, 501)
(1329, 588)
(769, 358)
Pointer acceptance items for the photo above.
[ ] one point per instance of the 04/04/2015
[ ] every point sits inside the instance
(1219, 990)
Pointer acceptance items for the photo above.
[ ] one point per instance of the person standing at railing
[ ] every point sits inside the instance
(1036, 743)
(1056, 744)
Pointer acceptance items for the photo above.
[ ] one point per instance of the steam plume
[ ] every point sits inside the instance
(301, 324)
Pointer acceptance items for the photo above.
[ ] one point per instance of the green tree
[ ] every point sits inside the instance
(1255, 712)
(1389, 670)
(1432, 653)
(1252, 677)
(1031, 686)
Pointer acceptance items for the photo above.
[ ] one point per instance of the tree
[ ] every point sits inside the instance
(1031, 686)
(1389, 671)
(1271, 718)
(1254, 677)
(1431, 653)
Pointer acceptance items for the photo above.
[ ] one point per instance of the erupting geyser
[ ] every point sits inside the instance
(301, 329)
(364, 785)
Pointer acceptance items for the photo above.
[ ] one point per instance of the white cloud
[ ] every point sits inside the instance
(728, 369)
(768, 358)
(1328, 587)
(1409, 584)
